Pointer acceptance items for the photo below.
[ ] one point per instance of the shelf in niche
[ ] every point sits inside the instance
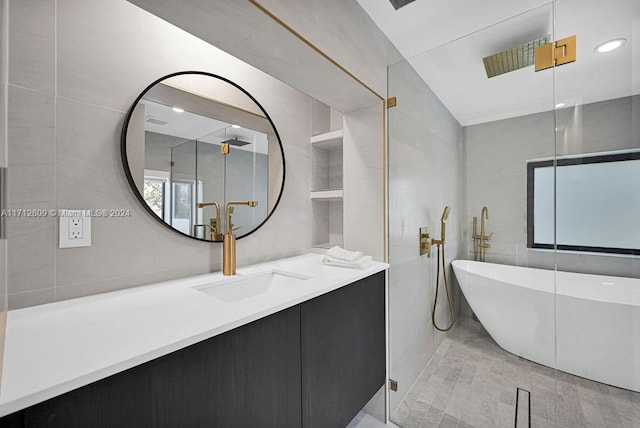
(328, 140)
(334, 194)
(326, 245)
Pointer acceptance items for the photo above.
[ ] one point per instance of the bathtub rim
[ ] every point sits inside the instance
(559, 288)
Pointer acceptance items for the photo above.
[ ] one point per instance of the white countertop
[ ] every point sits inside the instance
(54, 348)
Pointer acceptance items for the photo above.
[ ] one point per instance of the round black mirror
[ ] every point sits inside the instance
(191, 143)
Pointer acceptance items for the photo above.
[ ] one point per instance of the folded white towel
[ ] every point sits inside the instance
(339, 253)
(361, 263)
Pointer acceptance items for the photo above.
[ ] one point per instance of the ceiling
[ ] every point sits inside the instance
(445, 42)
(186, 125)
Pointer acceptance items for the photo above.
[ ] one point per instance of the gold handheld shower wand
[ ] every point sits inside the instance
(440, 243)
(443, 227)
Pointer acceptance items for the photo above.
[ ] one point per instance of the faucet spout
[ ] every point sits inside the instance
(229, 241)
(216, 232)
(483, 215)
(483, 245)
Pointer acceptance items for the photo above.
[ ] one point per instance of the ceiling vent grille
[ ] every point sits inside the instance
(156, 121)
(397, 4)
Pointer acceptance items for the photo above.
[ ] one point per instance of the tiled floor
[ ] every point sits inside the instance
(471, 382)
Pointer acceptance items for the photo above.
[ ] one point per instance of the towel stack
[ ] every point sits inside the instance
(340, 257)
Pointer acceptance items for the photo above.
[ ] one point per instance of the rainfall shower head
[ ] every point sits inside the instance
(515, 58)
(397, 4)
(235, 142)
(445, 214)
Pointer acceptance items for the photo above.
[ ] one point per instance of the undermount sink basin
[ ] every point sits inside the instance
(242, 287)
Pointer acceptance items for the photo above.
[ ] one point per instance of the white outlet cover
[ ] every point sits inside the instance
(66, 230)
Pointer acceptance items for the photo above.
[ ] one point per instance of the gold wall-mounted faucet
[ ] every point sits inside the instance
(229, 241)
(216, 227)
(480, 245)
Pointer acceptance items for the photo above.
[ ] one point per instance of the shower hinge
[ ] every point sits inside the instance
(393, 385)
(3, 202)
(557, 53)
(515, 423)
(391, 102)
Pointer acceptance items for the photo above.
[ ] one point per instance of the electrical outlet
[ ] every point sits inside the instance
(75, 228)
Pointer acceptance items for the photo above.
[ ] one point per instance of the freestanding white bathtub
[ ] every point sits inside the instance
(597, 318)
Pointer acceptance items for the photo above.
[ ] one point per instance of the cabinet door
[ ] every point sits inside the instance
(247, 377)
(343, 352)
(117, 401)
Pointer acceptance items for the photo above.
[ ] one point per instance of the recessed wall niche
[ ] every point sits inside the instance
(326, 176)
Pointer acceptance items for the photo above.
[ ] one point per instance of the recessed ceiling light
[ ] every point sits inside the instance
(178, 110)
(610, 45)
(236, 126)
(559, 105)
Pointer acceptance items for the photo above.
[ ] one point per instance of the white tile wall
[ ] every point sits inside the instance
(363, 181)
(354, 41)
(245, 31)
(32, 44)
(31, 149)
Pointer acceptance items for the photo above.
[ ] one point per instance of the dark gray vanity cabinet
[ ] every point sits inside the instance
(313, 365)
(343, 352)
(248, 377)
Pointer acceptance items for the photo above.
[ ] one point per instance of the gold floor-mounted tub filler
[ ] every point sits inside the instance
(480, 244)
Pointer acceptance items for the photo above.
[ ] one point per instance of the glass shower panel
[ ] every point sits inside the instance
(4, 71)
(462, 139)
(598, 241)
(210, 168)
(247, 178)
(182, 187)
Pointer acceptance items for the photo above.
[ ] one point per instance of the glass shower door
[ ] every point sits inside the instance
(596, 220)
(210, 185)
(463, 139)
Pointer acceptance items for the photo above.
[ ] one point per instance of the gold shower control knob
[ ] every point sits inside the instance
(425, 241)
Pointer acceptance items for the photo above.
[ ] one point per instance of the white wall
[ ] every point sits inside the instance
(344, 31)
(75, 68)
(496, 154)
(363, 181)
(242, 29)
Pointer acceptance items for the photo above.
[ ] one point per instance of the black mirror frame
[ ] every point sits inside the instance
(125, 160)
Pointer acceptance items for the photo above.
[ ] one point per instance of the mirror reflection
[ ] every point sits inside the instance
(194, 142)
